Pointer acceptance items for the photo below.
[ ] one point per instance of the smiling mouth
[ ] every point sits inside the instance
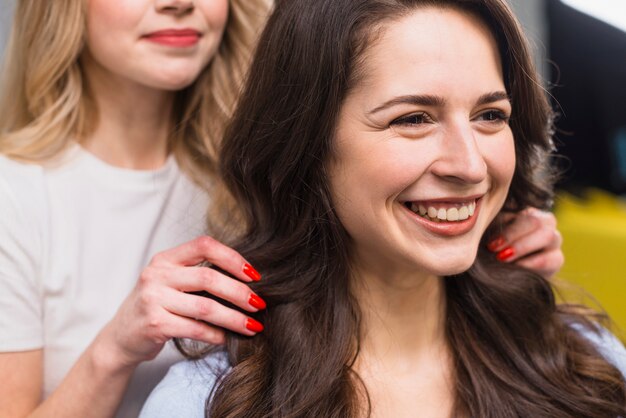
(442, 211)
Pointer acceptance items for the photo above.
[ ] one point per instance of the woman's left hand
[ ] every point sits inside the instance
(530, 239)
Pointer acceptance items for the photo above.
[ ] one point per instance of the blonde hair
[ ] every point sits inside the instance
(45, 102)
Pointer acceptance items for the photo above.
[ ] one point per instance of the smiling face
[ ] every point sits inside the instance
(163, 44)
(423, 153)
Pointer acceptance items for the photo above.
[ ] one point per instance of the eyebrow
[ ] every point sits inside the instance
(437, 101)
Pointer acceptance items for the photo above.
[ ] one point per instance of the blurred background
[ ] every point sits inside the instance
(580, 50)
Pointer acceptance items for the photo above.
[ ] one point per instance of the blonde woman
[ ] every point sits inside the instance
(110, 117)
(105, 107)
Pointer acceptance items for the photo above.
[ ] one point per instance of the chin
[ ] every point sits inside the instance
(175, 83)
(451, 267)
(174, 78)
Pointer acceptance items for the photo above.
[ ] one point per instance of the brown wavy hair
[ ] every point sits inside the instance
(515, 351)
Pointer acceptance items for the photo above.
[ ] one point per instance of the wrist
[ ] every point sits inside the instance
(107, 358)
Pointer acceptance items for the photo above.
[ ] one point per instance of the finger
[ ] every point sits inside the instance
(208, 249)
(504, 218)
(193, 279)
(180, 327)
(524, 223)
(541, 240)
(210, 311)
(547, 264)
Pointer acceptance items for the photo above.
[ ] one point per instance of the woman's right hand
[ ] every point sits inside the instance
(160, 307)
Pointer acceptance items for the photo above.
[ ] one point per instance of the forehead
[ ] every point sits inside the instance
(431, 48)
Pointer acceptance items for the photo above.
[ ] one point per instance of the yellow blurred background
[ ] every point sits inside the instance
(594, 244)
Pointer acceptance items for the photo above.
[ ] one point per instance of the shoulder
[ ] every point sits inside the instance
(20, 181)
(23, 209)
(607, 345)
(185, 389)
(23, 205)
(23, 194)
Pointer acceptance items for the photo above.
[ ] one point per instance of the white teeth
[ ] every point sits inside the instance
(453, 214)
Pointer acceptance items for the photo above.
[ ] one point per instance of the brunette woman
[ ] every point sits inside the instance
(375, 144)
(110, 119)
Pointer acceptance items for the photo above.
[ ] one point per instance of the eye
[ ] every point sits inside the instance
(412, 119)
(495, 116)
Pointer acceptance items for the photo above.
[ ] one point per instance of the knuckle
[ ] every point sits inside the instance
(207, 278)
(551, 217)
(558, 237)
(214, 336)
(147, 299)
(205, 244)
(147, 276)
(197, 332)
(204, 308)
(536, 222)
(154, 330)
(530, 211)
(158, 258)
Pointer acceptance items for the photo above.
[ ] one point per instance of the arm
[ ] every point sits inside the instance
(531, 240)
(23, 380)
(157, 310)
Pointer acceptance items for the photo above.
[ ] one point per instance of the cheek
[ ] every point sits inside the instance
(105, 17)
(500, 158)
(371, 175)
(215, 13)
(110, 26)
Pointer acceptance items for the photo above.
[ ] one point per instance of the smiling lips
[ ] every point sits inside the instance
(444, 212)
(445, 218)
(175, 37)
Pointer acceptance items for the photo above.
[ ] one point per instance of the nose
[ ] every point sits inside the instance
(460, 159)
(175, 7)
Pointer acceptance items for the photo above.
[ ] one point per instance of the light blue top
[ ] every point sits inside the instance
(184, 391)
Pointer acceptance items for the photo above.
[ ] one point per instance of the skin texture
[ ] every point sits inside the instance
(445, 151)
(117, 39)
(457, 146)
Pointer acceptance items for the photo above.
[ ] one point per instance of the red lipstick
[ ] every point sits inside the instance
(179, 38)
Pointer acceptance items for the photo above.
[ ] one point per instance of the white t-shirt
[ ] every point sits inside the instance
(73, 241)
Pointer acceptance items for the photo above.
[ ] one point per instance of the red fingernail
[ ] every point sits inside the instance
(505, 254)
(256, 302)
(253, 325)
(251, 272)
(495, 244)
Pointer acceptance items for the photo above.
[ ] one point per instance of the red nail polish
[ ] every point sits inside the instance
(505, 254)
(256, 302)
(495, 244)
(251, 272)
(253, 325)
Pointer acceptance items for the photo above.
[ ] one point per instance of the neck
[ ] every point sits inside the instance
(133, 120)
(403, 318)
